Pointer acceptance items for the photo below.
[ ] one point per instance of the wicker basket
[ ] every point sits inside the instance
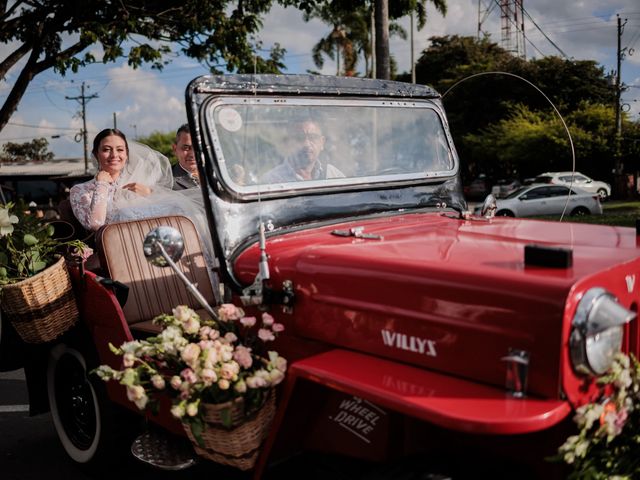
(239, 445)
(42, 307)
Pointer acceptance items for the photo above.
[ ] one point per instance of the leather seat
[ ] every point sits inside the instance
(153, 290)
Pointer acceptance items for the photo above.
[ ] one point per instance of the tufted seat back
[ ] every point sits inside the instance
(152, 290)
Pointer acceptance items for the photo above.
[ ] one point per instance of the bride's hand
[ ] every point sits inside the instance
(103, 176)
(138, 188)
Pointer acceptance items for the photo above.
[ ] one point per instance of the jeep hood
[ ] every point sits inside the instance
(443, 293)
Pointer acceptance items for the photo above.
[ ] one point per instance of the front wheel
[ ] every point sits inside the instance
(77, 410)
(580, 212)
(505, 213)
(602, 193)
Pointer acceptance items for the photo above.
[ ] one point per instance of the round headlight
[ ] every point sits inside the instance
(598, 327)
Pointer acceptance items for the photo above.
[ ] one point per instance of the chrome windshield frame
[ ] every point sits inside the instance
(284, 189)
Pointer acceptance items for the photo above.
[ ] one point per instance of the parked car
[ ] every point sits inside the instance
(505, 186)
(548, 200)
(413, 328)
(578, 180)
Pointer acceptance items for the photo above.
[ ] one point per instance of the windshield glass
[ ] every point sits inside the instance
(271, 144)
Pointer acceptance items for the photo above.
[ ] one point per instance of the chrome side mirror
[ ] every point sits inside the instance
(489, 207)
(170, 240)
(163, 246)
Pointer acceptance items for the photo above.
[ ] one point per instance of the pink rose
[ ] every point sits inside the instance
(204, 332)
(175, 382)
(191, 326)
(228, 311)
(248, 321)
(229, 370)
(256, 382)
(265, 335)
(189, 375)
(278, 327)
(190, 354)
(230, 337)
(267, 319)
(158, 382)
(208, 376)
(242, 355)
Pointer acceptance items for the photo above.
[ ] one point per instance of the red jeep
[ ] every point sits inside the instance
(413, 328)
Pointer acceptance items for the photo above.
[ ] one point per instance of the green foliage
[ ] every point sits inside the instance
(350, 21)
(214, 32)
(27, 243)
(504, 126)
(273, 64)
(527, 142)
(162, 142)
(607, 443)
(35, 150)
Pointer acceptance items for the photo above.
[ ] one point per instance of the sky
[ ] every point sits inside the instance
(144, 100)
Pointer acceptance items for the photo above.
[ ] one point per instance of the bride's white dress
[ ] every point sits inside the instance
(98, 203)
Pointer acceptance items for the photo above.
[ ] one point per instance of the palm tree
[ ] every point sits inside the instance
(349, 37)
(339, 42)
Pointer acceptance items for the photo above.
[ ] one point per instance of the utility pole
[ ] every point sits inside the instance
(413, 61)
(83, 99)
(619, 167)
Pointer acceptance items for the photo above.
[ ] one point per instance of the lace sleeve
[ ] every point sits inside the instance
(90, 202)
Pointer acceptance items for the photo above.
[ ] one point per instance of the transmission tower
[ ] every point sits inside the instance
(485, 7)
(512, 14)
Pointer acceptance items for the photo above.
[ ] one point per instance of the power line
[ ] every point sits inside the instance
(38, 126)
(526, 13)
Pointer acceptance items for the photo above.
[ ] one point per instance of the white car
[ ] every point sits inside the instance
(579, 180)
(548, 200)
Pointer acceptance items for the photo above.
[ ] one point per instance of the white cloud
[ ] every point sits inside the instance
(143, 100)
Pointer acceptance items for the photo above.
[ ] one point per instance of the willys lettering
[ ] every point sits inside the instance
(410, 343)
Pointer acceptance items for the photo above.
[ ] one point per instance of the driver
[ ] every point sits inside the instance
(305, 163)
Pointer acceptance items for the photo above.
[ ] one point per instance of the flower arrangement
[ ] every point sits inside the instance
(27, 245)
(198, 361)
(608, 441)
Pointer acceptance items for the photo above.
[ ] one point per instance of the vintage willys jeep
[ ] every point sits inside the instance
(412, 326)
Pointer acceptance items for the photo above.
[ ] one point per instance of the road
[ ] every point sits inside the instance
(30, 450)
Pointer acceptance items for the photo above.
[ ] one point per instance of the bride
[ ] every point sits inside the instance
(134, 182)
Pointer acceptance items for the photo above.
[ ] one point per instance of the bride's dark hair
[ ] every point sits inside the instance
(107, 132)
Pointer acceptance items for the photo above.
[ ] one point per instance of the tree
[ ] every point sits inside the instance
(56, 34)
(384, 12)
(161, 142)
(273, 64)
(502, 123)
(349, 36)
(35, 150)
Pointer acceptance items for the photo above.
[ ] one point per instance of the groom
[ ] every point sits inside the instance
(185, 172)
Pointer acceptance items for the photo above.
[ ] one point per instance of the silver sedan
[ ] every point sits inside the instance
(549, 200)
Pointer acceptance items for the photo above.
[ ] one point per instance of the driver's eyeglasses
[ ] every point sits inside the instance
(312, 137)
(185, 148)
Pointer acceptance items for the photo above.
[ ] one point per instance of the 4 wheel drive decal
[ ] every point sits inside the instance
(359, 417)
(410, 343)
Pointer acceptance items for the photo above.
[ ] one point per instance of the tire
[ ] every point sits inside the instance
(602, 193)
(78, 406)
(580, 212)
(505, 213)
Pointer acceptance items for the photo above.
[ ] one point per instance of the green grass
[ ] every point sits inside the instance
(616, 213)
